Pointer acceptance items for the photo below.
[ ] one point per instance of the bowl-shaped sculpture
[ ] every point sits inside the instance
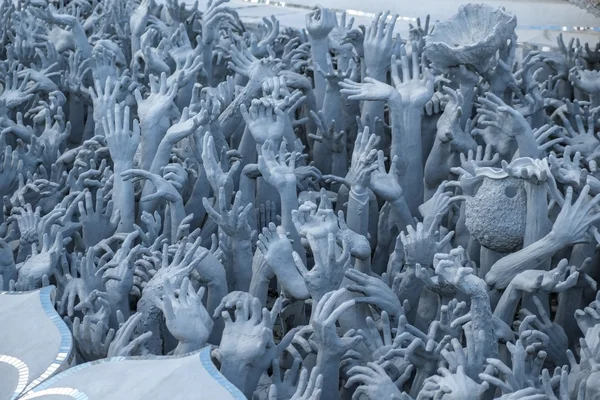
(471, 37)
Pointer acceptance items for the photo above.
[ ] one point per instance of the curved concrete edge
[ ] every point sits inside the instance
(72, 393)
(65, 355)
(204, 356)
(22, 371)
(217, 376)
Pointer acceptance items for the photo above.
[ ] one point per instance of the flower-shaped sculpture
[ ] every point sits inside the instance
(471, 37)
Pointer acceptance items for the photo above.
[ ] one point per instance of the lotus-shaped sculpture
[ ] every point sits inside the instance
(471, 37)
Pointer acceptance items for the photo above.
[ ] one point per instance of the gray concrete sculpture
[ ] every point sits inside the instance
(198, 207)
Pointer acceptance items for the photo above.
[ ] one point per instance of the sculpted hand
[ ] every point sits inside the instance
(117, 274)
(573, 221)
(122, 142)
(233, 222)
(265, 122)
(315, 221)
(213, 168)
(323, 321)
(385, 184)
(247, 338)
(14, 94)
(363, 162)
(80, 287)
(585, 80)
(556, 280)
(277, 250)
(98, 223)
(152, 109)
(328, 271)
(164, 189)
(374, 382)
(186, 318)
(123, 345)
(370, 89)
(320, 22)
(415, 90)
(375, 292)
(420, 246)
(41, 263)
(276, 171)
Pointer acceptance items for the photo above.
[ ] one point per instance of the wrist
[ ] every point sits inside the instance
(395, 101)
(359, 190)
(287, 193)
(236, 371)
(556, 239)
(318, 40)
(122, 165)
(185, 347)
(376, 72)
(397, 200)
(328, 357)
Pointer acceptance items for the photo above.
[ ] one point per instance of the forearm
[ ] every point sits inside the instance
(236, 372)
(468, 92)
(90, 126)
(118, 303)
(339, 163)
(507, 306)
(261, 276)
(527, 145)
(187, 347)
(406, 144)
(322, 157)
(319, 49)
(358, 220)
(482, 321)
(150, 142)
(401, 214)
(124, 198)
(248, 189)
(194, 204)
(177, 214)
(289, 203)
(247, 148)
(329, 366)
(437, 166)
(160, 160)
(242, 263)
(538, 224)
(505, 269)
(76, 114)
(571, 299)
(81, 41)
(594, 184)
(374, 109)
(310, 104)
(332, 109)
(231, 117)
(135, 43)
(215, 293)
(410, 289)
(594, 100)
(24, 250)
(207, 55)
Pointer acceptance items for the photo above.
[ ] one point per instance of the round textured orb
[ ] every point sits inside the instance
(496, 215)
